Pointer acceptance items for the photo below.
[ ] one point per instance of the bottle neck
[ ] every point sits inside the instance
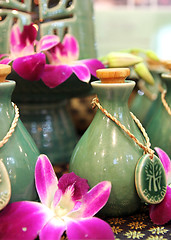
(114, 97)
(6, 89)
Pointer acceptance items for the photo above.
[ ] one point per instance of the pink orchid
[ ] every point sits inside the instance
(29, 60)
(26, 62)
(161, 213)
(63, 61)
(66, 205)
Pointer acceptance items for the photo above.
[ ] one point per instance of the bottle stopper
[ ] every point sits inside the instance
(113, 75)
(168, 65)
(4, 71)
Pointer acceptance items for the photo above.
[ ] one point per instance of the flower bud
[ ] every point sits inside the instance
(121, 59)
(150, 54)
(144, 73)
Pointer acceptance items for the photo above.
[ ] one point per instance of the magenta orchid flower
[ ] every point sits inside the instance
(26, 62)
(66, 205)
(29, 60)
(161, 213)
(63, 61)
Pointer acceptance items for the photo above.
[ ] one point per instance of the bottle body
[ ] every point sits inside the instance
(145, 99)
(20, 153)
(51, 128)
(106, 152)
(159, 127)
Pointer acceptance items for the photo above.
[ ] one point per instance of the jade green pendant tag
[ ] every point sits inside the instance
(150, 179)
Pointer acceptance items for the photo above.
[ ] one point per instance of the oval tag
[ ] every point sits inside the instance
(5, 186)
(150, 179)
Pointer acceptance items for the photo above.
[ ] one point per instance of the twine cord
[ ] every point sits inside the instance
(12, 128)
(163, 95)
(147, 149)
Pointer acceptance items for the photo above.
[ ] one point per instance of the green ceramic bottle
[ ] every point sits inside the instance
(159, 127)
(144, 99)
(105, 151)
(147, 94)
(19, 153)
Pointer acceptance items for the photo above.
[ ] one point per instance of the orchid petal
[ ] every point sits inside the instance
(161, 213)
(55, 75)
(3, 55)
(30, 67)
(57, 197)
(53, 230)
(166, 162)
(54, 55)
(6, 61)
(46, 180)
(47, 42)
(29, 34)
(77, 206)
(89, 228)
(15, 36)
(81, 186)
(22, 43)
(82, 72)
(71, 45)
(21, 51)
(93, 65)
(23, 220)
(28, 50)
(93, 201)
(20, 40)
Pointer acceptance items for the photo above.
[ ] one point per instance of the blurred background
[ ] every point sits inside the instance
(122, 24)
(118, 24)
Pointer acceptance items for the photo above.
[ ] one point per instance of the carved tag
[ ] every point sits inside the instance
(150, 179)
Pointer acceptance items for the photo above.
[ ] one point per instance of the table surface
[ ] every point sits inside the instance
(138, 226)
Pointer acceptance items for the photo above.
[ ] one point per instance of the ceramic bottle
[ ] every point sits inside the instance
(105, 151)
(145, 102)
(19, 153)
(145, 98)
(45, 114)
(159, 127)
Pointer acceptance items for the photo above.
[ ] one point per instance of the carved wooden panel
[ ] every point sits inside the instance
(17, 4)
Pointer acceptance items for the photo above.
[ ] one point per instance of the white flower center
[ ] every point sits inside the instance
(66, 204)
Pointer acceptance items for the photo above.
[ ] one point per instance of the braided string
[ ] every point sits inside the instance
(163, 95)
(12, 128)
(147, 149)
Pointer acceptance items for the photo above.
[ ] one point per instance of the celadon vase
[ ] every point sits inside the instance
(159, 127)
(106, 152)
(45, 114)
(52, 129)
(19, 154)
(146, 95)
